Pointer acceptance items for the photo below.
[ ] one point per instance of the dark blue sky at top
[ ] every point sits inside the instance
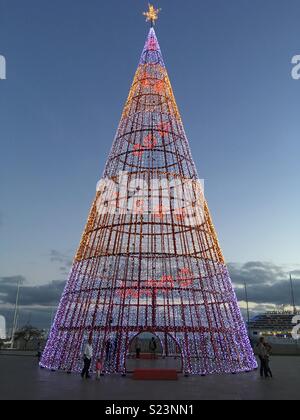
(70, 64)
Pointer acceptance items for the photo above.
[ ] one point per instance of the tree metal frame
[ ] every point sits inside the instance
(156, 266)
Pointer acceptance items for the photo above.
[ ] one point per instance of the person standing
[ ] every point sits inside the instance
(262, 354)
(108, 353)
(39, 351)
(138, 348)
(153, 347)
(87, 358)
(98, 369)
(108, 349)
(269, 350)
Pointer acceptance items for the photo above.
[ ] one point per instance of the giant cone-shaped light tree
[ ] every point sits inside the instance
(149, 258)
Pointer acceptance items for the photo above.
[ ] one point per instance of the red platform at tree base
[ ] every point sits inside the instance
(155, 374)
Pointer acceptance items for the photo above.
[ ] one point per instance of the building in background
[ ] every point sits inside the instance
(277, 328)
(2, 328)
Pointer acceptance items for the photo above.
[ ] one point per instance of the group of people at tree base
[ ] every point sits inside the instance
(152, 348)
(88, 356)
(263, 351)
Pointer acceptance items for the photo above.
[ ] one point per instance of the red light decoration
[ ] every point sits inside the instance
(160, 212)
(138, 150)
(185, 277)
(159, 87)
(163, 128)
(150, 142)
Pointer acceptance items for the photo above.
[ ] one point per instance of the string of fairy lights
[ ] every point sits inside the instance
(160, 271)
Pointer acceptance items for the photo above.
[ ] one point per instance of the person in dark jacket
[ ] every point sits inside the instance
(153, 347)
(87, 359)
(262, 354)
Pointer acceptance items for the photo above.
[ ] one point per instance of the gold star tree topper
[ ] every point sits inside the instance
(152, 14)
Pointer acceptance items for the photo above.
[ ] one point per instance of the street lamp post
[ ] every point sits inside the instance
(247, 302)
(15, 316)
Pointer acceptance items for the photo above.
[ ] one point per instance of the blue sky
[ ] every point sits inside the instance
(70, 64)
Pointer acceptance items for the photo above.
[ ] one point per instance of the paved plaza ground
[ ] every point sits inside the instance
(21, 378)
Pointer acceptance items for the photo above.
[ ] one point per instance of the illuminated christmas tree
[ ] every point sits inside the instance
(149, 259)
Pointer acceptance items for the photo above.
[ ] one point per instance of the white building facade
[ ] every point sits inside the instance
(2, 328)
